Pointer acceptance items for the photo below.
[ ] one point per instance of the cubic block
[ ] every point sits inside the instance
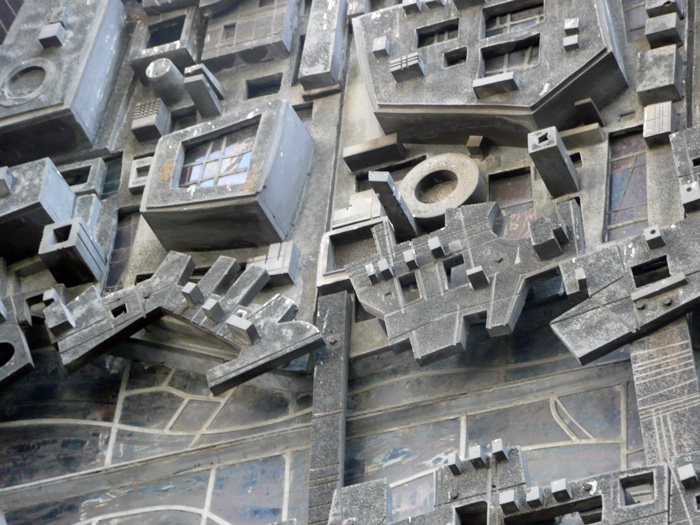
(664, 30)
(151, 120)
(52, 35)
(659, 74)
(71, 254)
(381, 46)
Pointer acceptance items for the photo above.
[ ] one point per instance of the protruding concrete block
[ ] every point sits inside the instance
(151, 120)
(495, 84)
(588, 112)
(477, 146)
(242, 328)
(548, 234)
(409, 257)
(463, 4)
(571, 42)
(656, 8)
(381, 46)
(552, 161)
(193, 294)
(412, 6)
(213, 310)
(52, 35)
(407, 67)
(572, 26)
(653, 237)
(71, 253)
(477, 456)
(690, 196)
(660, 120)
(534, 497)
(508, 501)
(478, 278)
(385, 269)
(499, 450)
(374, 152)
(659, 75)
(664, 30)
(201, 69)
(282, 262)
(436, 247)
(561, 490)
(455, 464)
(203, 95)
(372, 273)
(395, 207)
(688, 476)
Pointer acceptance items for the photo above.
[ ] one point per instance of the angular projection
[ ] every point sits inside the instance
(223, 292)
(435, 323)
(633, 289)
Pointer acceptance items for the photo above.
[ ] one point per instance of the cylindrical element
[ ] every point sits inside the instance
(166, 80)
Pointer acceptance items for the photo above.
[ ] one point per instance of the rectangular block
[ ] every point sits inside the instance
(659, 74)
(552, 161)
(664, 30)
(322, 58)
(374, 152)
(151, 120)
(203, 96)
(662, 7)
(660, 120)
(71, 254)
(495, 84)
(39, 196)
(407, 67)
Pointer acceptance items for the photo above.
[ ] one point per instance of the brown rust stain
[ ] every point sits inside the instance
(166, 172)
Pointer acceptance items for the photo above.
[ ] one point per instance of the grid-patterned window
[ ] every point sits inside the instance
(635, 19)
(523, 55)
(220, 162)
(507, 22)
(627, 187)
(438, 33)
(512, 190)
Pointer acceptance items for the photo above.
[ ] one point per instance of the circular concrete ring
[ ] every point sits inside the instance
(26, 81)
(441, 182)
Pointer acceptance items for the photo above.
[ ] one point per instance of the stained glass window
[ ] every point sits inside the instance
(513, 192)
(223, 161)
(627, 187)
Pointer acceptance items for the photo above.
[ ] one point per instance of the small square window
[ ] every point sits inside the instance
(165, 32)
(650, 272)
(409, 288)
(229, 32)
(637, 489)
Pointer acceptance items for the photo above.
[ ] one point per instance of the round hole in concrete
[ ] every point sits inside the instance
(436, 186)
(6, 353)
(26, 81)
